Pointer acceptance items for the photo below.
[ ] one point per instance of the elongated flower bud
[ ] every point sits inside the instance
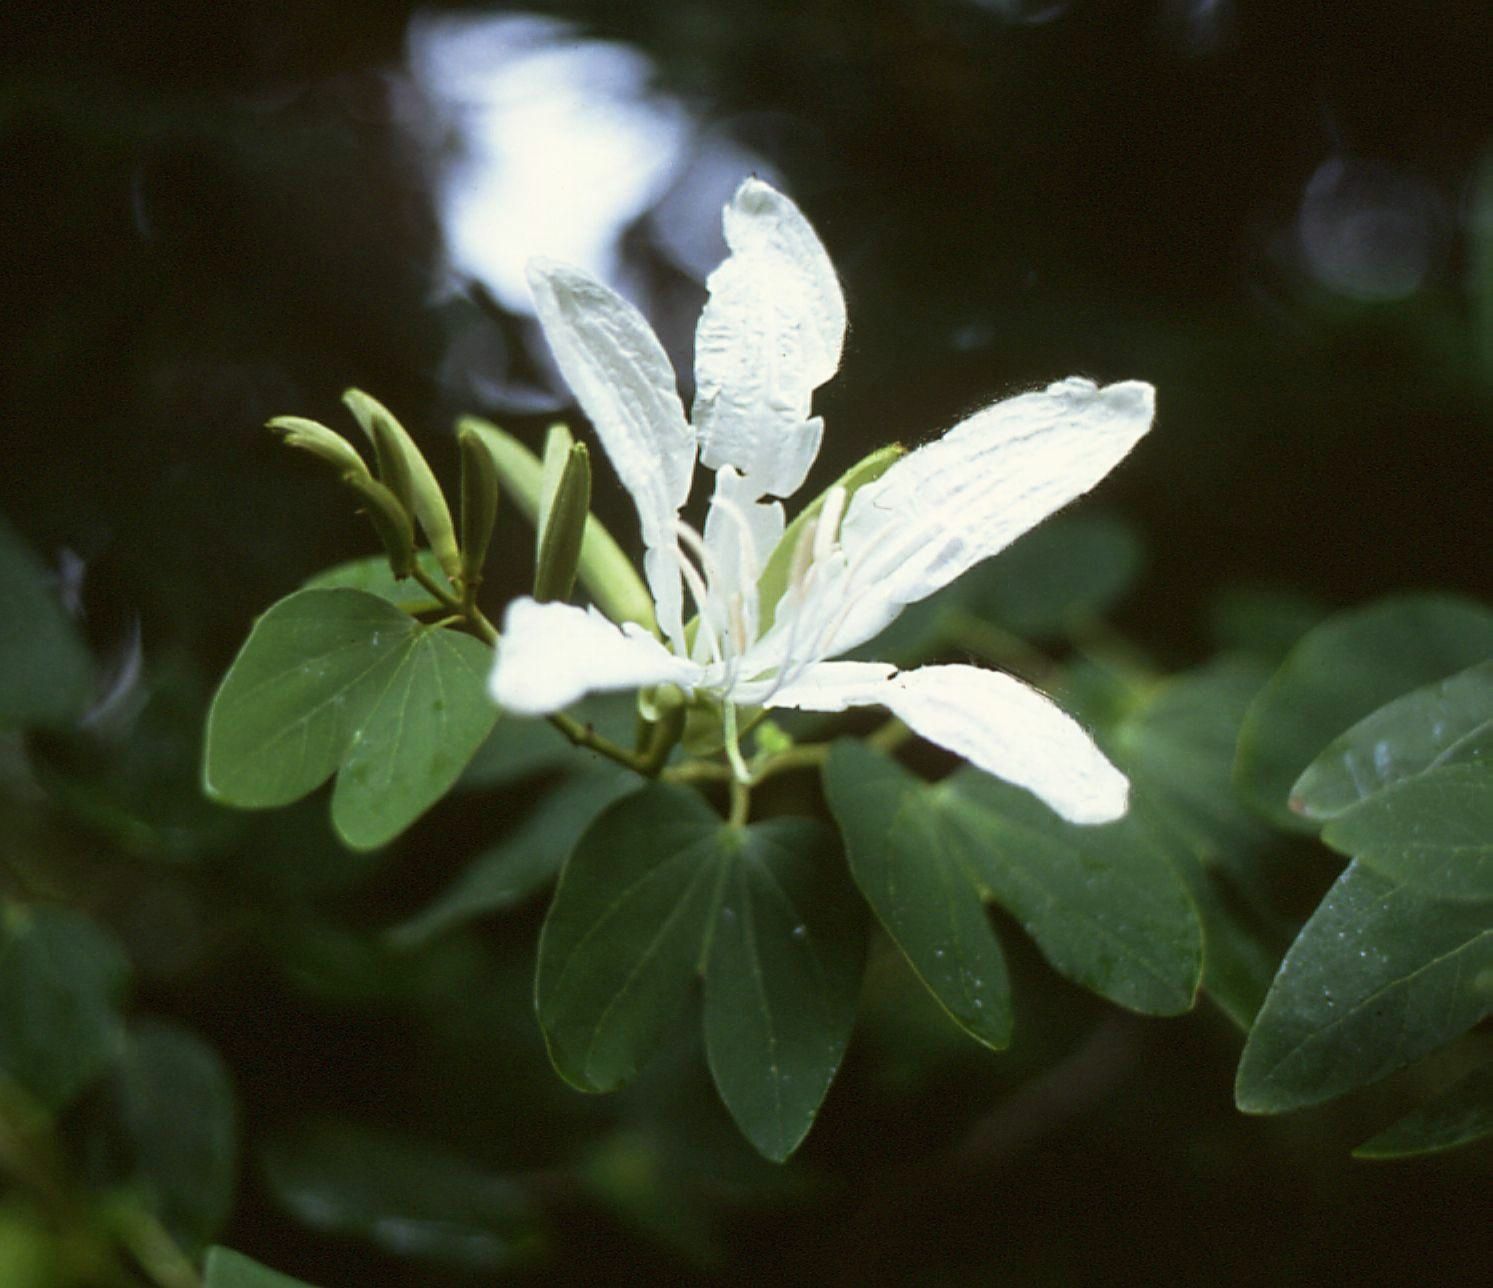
(564, 528)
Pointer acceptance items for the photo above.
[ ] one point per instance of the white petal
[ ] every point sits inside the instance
(552, 654)
(1004, 727)
(740, 533)
(771, 334)
(828, 686)
(622, 379)
(945, 507)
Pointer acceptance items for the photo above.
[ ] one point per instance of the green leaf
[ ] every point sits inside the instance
(1445, 723)
(338, 678)
(625, 934)
(1380, 975)
(1104, 904)
(61, 983)
(520, 748)
(171, 1130)
(1346, 668)
(901, 859)
(407, 1196)
(1067, 570)
(373, 576)
(228, 1269)
(1460, 1115)
(45, 672)
(525, 860)
(1433, 832)
(1263, 623)
(783, 976)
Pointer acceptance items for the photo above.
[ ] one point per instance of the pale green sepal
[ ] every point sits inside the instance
(479, 506)
(607, 574)
(774, 579)
(413, 472)
(320, 441)
(564, 529)
(389, 519)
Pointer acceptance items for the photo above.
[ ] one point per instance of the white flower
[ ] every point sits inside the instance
(770, 334)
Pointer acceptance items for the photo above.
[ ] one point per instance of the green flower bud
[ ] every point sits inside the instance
(320, 442)
(409, 476)
(389, 518)
(564, 528)
(479, 505)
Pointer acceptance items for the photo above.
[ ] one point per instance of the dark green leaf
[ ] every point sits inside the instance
(228, 1269)
(1069, 569)
(782, 980)
(45, 672)
(1103, 903)
(171, 1130)
(332, 678)
(373, 576)
(1346, 668)
(1263, 623)
(913, 879)
(1433, 832)
(525, 860)
(520, 748)
(1448, 722)
(624, 938)
(408, 1197)
(1380, 975)
(1460, 1115)
(61, 983)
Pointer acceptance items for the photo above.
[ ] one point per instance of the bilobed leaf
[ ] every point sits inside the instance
(526, 859)
(1449, 722)
(340, 678)
(1104, 904)
(416, 738)
(1380, 975)
(1341, 671)
(914, 880)
(171, 1127)
(1457, 1116)
(1433, 832)
(61, 984)
(45, 672)
(225, 1268)
(625, 936)
(782, 978)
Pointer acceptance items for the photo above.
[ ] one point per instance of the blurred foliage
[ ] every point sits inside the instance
(226, 1027)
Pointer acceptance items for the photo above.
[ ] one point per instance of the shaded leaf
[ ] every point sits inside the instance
(405, 1196)
(61, 983)
(914, 881)
(373, 576)
(1380, 975)
(1104, 904)
(1445, 723)
(519, 748)
(1433, 832)
(624, 938)
(170, 1130)
(1460, 1115)
(45, 672)
(525, 860)
(1340, 672)
(782, 979)
(225, 1268)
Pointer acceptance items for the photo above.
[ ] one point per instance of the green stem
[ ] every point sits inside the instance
(585, 736)
(741, 803)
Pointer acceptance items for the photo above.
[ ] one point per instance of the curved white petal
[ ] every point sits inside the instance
(553, 654)
(828, 686)
(622, 379)
(771, 334)
(740, 533)
(948, 505)
(1002, 726)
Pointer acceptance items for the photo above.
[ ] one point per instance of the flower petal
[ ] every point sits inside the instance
(553, 654)
(994, 721)
(771, 334)
(622, 379)
(948, 505)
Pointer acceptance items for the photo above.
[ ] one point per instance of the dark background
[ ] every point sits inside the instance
(215, 213)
